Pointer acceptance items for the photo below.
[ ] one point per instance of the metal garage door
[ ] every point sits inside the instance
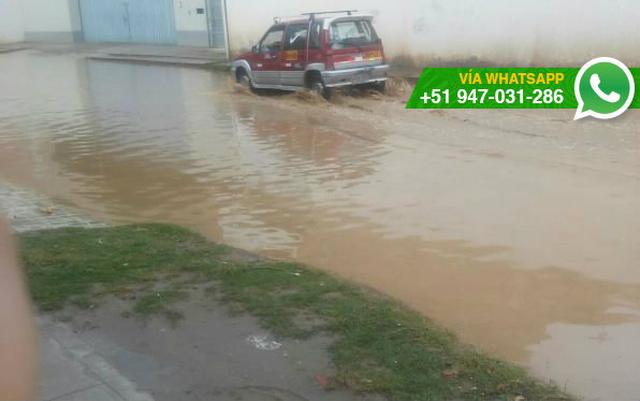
(135, 21)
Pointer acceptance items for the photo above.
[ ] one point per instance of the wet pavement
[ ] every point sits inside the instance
(515, 229)
(98, 355)
(28, 211)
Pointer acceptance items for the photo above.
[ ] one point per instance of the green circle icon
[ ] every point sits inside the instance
(604, 89)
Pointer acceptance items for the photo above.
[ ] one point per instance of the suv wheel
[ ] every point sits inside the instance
(317, 87)
(244, 80)
(379, 86)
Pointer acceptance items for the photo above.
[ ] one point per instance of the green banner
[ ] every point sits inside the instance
(500, 88)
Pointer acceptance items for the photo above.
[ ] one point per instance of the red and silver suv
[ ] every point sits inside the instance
(316, 51)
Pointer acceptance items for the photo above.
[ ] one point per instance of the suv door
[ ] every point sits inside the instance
(266, 68)
(294, 55)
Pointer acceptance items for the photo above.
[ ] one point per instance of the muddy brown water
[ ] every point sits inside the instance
(517, 230)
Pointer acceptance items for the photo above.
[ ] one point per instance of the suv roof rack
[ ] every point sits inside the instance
(313, 15)
(348, 12)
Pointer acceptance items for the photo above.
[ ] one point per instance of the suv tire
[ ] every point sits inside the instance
(317, 87)
(244, 80)
(379, 86)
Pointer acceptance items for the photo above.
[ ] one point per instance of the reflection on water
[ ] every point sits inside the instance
(522, 261)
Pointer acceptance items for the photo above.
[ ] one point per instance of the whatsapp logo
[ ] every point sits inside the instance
(604, 89)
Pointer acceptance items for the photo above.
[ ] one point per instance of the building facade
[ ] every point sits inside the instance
(166, 22)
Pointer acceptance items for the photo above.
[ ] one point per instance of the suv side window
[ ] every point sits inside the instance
(272, 41)
(296, 37)
(352, 33)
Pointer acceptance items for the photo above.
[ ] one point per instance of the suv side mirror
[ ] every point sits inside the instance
(254, 49)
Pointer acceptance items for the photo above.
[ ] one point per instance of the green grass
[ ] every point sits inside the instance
(380, 346)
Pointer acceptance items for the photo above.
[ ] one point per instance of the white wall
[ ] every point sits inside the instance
(186, 17)
(47, 16)
(191, 27)
(11, 21)
(522, 32)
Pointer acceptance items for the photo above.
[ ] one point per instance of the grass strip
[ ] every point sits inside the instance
(380, 345)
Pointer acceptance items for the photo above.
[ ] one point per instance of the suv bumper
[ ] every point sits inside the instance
(355, 76)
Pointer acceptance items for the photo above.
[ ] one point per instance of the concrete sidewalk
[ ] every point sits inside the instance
(202, 57)
(28, 211)
(71, 370)
(172, 55)
(12, 47)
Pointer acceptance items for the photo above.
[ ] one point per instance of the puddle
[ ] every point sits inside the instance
(528, 255)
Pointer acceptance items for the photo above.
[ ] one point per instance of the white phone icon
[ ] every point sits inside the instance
(613, 97)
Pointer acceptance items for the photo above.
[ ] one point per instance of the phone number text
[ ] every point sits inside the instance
(496, 96)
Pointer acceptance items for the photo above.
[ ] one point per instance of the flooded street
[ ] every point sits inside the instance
(518, 230)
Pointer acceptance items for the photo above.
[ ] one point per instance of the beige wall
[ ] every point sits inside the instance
(521, 32)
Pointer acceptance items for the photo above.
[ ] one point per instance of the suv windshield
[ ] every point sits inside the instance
(352, 33)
